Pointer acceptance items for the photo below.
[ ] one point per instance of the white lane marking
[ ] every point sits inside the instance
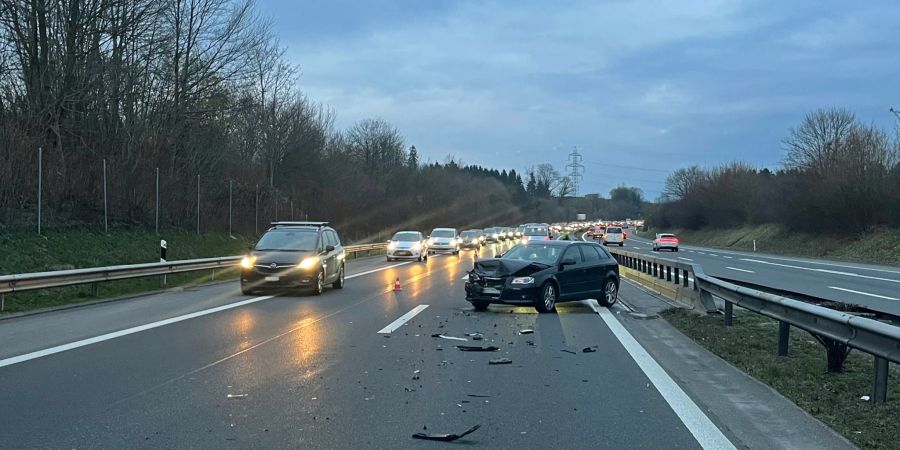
(803, 261)
(832, 272)
(116, 334)
(686, 259)
(402, 320)
(125, 332)
(727, 257)
(704, 430)
(713, 254)
(739, 270)
(702, 253)
(863, 293)
(376, 270)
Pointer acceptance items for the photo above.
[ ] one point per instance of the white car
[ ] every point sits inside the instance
(614, 235)
(443, 240)
(407, 245)
(534, 232)
(665, 240)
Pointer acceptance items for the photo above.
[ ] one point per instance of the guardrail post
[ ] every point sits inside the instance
(2, 302)
(729, 313)
(212, 274)
(881, 380)
(677, 279)
(94, 289)
(784, 336)
(668, 273)
(685, 277)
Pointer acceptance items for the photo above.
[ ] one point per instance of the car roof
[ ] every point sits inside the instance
(557, 243)
(408, 231)
(453, 229)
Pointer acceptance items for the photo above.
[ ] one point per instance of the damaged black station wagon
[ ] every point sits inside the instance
(543, 273)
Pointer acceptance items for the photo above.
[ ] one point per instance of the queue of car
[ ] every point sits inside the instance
(537, 270)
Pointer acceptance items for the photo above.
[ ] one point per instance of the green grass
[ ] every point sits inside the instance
(28, 252)
(750, 344)
(879, 247)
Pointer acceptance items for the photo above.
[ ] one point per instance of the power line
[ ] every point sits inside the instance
(618, 166)
(576, 169)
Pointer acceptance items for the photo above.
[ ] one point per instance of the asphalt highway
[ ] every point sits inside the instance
(359, 368)
(871, 286)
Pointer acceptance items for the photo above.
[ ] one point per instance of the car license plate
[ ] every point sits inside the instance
(491, 291)
(272, 278)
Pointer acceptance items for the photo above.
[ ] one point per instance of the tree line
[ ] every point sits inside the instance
(838, 175)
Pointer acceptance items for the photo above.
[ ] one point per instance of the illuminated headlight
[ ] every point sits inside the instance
(417, 246)
(523, 280)
(247, 262)
(431, 241)
(392, 245)
(496, 235)
(309, 263)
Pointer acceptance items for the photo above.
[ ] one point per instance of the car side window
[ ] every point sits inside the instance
(590, 253)
(573, 253)
(604, 252)
(332, 238)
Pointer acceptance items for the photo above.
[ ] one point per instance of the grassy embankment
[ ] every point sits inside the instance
(58, 250)
(879, 247)
(834, 398)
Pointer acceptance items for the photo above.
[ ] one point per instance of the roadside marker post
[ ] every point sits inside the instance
(163, 254)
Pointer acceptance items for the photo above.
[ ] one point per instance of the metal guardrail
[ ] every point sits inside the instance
(878, 339)
(61, 278)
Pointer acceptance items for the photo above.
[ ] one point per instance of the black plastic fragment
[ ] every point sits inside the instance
(445, 437)
(477, 348)
(591, 349)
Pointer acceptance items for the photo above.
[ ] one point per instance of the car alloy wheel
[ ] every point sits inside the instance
(547, 302)
(610, 292)
(320, 283)
(339, 284)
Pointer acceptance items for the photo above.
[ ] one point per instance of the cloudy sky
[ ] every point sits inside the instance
(640, 87)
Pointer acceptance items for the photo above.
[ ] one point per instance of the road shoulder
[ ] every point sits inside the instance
(750, 413)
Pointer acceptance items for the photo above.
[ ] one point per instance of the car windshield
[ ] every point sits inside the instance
(663, 236)
(535, 231)
(406, 236)
(545, 254)
(469, 234)
(614, 230)
(443, 233)
(288, 240)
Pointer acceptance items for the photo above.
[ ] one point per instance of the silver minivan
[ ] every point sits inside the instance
(614, 235)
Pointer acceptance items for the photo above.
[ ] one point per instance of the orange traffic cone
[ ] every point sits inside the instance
(397, 286)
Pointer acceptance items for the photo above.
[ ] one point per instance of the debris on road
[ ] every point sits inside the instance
(452, 338)
(526, 331)
(568, 351)
(500, 361)
(475, 336)
(416, 374)
(445, 437)
(479, 396)
(233, 396)
(590, 349)
(476, 348)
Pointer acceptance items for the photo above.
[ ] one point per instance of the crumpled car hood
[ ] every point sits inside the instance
(496, 268)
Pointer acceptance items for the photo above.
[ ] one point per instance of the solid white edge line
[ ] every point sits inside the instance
(701, 427)
(116, 334)
(686, 259)
(739, 270)
(402, 320)
(862, 293)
